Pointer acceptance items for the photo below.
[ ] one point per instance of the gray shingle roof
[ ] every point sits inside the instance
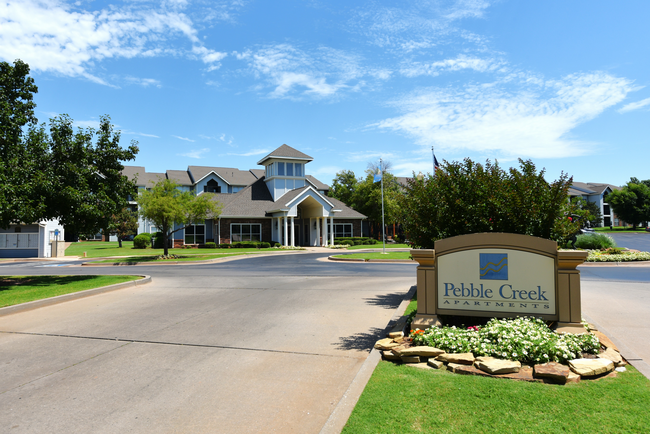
(180, 176)
(144, 179)
(285, 151)
(256, 201)
(228, 174)
(316, 183)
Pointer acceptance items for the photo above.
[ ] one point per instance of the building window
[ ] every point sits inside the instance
(289, 169)
(195, 234)
(341, 229)
(245, 232)
(298, 170)
(212, 186)
(280, 169)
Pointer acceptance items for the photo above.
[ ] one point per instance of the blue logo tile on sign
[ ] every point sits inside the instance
(493, 266)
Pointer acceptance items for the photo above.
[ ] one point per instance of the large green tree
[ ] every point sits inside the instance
(631, 203)
(123, 223)
(467, 197)
(344, 186)
(165, 204)
(74, 176)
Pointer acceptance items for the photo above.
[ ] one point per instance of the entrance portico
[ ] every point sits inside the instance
(306, 220)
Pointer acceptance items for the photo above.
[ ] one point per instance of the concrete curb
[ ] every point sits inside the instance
(23, 307)
(343, 409)
(405, 261)
(205, 261)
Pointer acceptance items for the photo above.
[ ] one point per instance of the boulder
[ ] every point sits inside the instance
(398, 330)
(591, 367)
(410, 359)
(385, 344)
(573, 378)
(613, 355)
(435, 363)
(388, 355)
(421, 351)
(553, 371)
(460, 358)
(495, 366)
(422, 365)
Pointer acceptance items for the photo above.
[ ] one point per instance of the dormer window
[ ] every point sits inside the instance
(280, 169)
(212, 186)
(298, 170)
(289, 169)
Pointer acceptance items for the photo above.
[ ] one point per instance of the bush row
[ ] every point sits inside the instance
(355, 241)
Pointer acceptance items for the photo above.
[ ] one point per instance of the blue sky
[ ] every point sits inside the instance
(222, 83)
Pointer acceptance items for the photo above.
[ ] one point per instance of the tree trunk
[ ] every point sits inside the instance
(119, 240)
(165, 231)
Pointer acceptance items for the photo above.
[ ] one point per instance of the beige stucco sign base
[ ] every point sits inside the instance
(499, 275)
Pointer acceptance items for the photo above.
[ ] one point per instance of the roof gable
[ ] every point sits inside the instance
(286, 152)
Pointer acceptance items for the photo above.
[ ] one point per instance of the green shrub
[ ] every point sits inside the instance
(210, 245)
(158, 240)
(277, 245)
(142, 241)
(225, 246)
(467, 197)
(265, 245)
(595, 242)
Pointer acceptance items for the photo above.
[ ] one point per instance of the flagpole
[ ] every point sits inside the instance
(383, 229)
(433, 156)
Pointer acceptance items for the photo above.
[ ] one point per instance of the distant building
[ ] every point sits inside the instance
(279, 203)
(595, 192)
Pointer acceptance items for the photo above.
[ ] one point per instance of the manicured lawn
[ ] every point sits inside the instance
(21, 289)
(377, 255)
(618, 229)
(403, 399)
(379, 246)
(99, 249)
(182, 258)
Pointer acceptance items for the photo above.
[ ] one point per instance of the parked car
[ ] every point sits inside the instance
(128, 237)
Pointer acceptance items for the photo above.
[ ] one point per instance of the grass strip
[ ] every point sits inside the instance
(619, 229)
(183, 258)
(377, 255)
(403, 399)
(102, 249)
(22, 289)
(379, 246)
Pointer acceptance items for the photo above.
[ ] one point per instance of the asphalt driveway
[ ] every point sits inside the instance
(253, 345)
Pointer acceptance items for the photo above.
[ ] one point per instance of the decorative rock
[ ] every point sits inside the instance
(421, 351)
(604, 340)
(388, 355)
(410, 359)
(397, 350)
(572, 378)
(455, 367)
(460, 358)
(398, 330)
(435, 363)
(591, 367)
(399, 340)
(525, 373)
(613, 355)
(554, 371)
(385, 344)
(422, 365)
(497, 366)
(620, 369)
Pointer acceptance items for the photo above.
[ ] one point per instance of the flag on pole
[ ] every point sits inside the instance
(436, 165)
(377, 177)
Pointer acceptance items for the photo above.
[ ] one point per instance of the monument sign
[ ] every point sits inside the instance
(498, 275)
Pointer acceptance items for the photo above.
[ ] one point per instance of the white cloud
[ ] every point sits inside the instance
(460, 62)
(144, 82)
(413, 26)
(634, 105)
(87, 124)
(512, 119)
(52, 35)
(252, 153)
(294, 73)
(195, 153)
(183, 138)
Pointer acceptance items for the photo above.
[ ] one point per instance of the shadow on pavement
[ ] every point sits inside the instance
(387, 301)
(360, 341)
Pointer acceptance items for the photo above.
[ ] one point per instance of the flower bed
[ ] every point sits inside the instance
(604, 256)
(527, 340)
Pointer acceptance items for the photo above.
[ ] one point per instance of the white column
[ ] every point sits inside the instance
(332, 231)
(317, 231)
(325, 237)
(293, 234)
(286, 232)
